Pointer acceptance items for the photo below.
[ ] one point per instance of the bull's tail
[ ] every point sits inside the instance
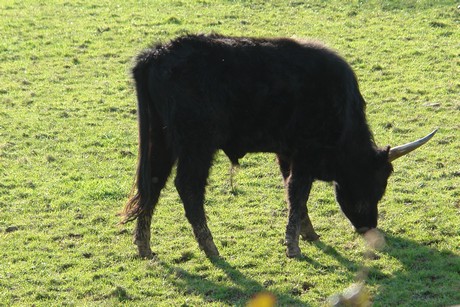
(154, 158)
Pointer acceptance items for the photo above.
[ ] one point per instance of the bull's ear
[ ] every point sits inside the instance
(383, 165)
(383, 154)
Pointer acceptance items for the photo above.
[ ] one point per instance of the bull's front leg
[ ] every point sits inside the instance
(298, 189)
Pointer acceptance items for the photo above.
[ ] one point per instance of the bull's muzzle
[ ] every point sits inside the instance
(363, 230)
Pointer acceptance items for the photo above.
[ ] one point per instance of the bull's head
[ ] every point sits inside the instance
(364, 184)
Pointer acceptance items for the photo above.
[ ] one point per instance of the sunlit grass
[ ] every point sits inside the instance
(68, 147)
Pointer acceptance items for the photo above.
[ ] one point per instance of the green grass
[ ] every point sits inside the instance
(68, 146)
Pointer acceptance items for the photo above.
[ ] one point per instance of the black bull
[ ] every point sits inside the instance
(198, 94)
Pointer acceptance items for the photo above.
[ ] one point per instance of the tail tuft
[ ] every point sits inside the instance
(131, 210)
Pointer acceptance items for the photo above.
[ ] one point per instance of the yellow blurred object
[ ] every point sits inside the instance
(356, 295)
(263, 299)
(375, 239)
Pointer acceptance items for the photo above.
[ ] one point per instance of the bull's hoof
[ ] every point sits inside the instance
(210, 249)
(293, 252)
(145, 252)
(212, 254)
(310, 236)
(307, 232)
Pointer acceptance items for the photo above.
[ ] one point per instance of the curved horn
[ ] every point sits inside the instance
(402, 150)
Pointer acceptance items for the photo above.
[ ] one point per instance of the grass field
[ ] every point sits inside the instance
(68, 147)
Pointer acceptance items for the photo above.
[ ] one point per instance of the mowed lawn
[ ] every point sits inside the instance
(68, 150)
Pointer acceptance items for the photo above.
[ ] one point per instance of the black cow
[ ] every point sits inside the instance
(298, 99)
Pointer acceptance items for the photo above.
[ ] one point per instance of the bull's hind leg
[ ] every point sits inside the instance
(191, 178)
(142, 234)
(162, 163)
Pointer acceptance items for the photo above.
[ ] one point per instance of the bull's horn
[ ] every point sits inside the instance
(402, 150)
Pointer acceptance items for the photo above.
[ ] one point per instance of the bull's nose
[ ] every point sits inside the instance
(363, 230)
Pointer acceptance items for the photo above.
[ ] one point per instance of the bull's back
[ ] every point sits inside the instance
(249, 92)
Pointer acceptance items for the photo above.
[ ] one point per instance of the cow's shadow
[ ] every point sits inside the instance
(237, 294)
(414, 284)
(428, 276)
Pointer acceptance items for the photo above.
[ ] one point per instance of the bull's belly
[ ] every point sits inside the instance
(238, 148)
